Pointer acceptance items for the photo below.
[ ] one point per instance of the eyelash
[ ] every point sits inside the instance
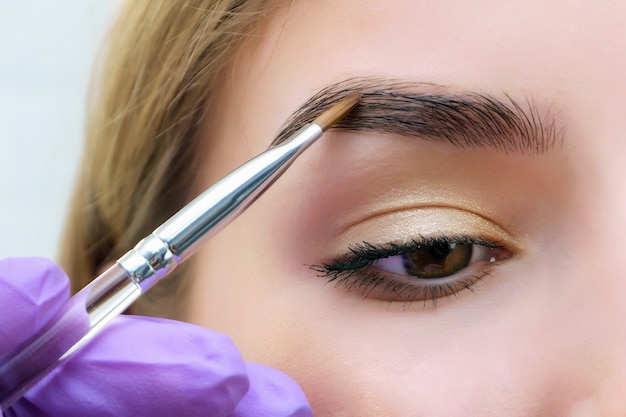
(355, 270)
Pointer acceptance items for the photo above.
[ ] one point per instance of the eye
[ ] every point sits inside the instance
(426, 269)
(435, 260)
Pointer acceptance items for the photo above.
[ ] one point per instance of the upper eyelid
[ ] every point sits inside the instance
(423, 223)
(392, 247)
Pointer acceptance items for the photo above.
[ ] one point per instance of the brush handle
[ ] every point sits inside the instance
(153, 258)
(226, 199)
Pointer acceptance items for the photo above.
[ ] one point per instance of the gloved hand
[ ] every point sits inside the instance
(137, 366)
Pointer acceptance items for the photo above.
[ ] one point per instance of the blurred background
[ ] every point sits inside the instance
(47, 48)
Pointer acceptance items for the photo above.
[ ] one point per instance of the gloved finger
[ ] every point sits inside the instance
(272, 394)
(144, 366)
(32, 290)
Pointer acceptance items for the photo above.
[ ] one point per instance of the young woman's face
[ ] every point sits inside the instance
(502, 288)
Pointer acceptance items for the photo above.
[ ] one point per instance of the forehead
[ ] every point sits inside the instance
(476, 42)
(549, 51)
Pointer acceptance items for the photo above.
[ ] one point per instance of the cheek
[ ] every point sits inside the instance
(355, 356)
(513, 344)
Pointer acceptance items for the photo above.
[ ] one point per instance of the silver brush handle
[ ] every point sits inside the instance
(154, 257)
(180, 236)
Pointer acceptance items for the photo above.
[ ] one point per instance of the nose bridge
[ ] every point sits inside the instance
(598, 266)
(598, 166)
(603, 196)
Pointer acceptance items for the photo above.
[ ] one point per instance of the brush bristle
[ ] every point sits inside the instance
(337, 112)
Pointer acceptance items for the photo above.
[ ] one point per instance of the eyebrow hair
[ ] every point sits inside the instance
(434, 112)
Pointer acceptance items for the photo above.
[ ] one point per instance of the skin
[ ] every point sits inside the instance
(543, 334)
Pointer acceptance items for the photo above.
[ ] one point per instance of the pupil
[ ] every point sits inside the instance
(439, 250)
(438, 259)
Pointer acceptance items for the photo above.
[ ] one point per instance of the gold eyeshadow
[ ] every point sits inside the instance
(409, 223)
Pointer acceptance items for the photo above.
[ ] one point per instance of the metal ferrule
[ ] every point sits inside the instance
(149, 261)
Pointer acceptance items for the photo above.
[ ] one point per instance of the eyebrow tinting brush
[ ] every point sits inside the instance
(153, 258)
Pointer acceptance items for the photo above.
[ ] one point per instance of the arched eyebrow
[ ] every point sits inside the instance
(437, 113)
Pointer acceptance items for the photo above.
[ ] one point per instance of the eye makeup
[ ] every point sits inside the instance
(421, 270)
(420, 254)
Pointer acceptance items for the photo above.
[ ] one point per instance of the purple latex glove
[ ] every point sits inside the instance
(137, 366)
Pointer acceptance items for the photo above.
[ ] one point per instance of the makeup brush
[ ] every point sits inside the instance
(153, 258)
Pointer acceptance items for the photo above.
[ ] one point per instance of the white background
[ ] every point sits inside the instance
(47, 48)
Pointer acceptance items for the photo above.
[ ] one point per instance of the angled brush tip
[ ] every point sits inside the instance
(337, 112)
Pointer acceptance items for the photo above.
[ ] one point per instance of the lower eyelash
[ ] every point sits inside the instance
(365, 282)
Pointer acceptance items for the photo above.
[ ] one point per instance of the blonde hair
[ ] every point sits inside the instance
(162, 61)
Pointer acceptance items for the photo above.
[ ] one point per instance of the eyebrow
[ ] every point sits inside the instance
(463, 119)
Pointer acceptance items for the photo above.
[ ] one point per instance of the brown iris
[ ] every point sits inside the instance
(438, 260)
